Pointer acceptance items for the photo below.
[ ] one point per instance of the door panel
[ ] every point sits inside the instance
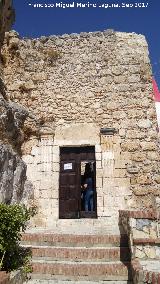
(68, 194)
(70, 179)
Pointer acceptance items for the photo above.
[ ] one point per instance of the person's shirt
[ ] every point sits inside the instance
(89, 183)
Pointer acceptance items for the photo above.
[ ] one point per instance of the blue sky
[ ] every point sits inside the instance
(34, 22)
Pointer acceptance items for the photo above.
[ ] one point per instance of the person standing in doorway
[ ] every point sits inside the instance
(89, 191)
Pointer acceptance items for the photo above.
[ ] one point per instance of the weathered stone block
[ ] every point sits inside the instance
(144, 179)
(56, 167)
(157, 179)
(99, 182)
(98, 156)
(153, 233)
(153, 156)
(138, 157)
(56, 158)
(122, 132)
(54, 194)
(35, 151)
(150, 252)
(132, 169)
(28, 159)
(144, 123)
(98, 165)
(137, 234)
(140, 223)
(44, 194)
(157, 252)
(120, 164)
(119, 173)
(134, 134)
(148, 146)
(133, 223)
(56, 150)
(130, 146)
(100, 201)
(99, 173)
(98, 148)
(139, 253)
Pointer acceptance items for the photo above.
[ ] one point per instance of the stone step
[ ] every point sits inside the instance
(45, 281)
(64, 240)
(80, 253)
(82, 271)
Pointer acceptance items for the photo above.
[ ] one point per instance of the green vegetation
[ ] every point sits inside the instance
(13, 221)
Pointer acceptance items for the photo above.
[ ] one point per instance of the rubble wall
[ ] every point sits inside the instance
(12, 116)
(75, 85)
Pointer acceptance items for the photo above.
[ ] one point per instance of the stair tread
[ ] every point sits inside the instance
(81, 259)
(67, 262)
(81, 278)
(70, 240)
(73, 236)
(36, 281)
(73, 248)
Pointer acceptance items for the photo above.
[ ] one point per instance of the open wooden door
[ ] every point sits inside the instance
(70, 202)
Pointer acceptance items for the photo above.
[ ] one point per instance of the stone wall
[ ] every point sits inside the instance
(143, 230)
(15, 277)
(12, 116)
(6, 17)
(75, 85)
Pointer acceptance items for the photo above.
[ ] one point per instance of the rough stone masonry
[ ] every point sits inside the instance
(75, 85)
(13, 181)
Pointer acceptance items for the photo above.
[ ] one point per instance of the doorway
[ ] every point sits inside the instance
(73, 164)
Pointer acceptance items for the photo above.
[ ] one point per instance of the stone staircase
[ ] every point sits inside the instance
(80, 259)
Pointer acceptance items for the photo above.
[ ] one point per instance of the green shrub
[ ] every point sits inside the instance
(13, 221)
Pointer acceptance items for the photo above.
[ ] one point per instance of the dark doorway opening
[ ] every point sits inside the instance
(75, 182)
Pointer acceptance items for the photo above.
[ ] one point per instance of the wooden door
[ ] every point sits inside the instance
(69, 183)
(70, 180)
